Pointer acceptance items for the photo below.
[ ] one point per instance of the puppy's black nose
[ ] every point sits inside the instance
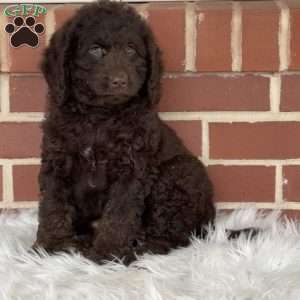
(119, 80)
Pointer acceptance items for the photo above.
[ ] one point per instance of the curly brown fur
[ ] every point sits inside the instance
(115, 180)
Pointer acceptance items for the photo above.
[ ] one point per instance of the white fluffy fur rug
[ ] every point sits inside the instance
(267, 267)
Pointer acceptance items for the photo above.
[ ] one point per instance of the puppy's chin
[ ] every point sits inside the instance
(113, 100)
(106, 101)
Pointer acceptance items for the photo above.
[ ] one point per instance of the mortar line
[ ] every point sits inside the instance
(210, 116)
(275, 93)
(205, 141)
(21, 117)
(21, 161)
(278, 185)
(219, 205)
(232, 116)
(228, 74)
(224, 162)
(8, 196)
(262, 205)
(50, 23)
(142, 9)
(284, 36)
(253, 162)
(4, 84)
(19, 204)
(190, 37)
(236, 37)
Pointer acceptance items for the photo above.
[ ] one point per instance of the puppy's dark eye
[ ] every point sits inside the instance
(97, 51)
(130, 51)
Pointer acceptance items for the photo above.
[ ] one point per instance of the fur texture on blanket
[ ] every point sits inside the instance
(267, 267)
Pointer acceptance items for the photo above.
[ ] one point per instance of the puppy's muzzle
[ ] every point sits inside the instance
(118, 81)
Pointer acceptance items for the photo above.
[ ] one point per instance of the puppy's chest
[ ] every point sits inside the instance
(108, 154)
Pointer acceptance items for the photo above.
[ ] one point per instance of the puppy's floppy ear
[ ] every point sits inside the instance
(155, 69)
(55, 64)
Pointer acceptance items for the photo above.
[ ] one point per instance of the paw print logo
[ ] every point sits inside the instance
(24, 33)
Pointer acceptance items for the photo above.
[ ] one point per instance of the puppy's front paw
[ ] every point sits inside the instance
(36, 249)
(96, 257)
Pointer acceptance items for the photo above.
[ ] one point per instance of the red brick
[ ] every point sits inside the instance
(260, 24)
(163, 19)
(290, 93)
(1, 184)
(212, 92)
(243, 183)
(64, 13)
(263, 140)
(291, 214)
(25, 179)
(20, 140)
(25, 58)
(291, 190)
(27, 93)
(295, 39)
(214, 37)
(168, 24)
(190, 133)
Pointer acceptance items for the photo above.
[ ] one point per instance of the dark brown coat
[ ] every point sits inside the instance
(115, 179)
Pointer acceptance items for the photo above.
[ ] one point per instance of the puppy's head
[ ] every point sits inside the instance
(105, 56)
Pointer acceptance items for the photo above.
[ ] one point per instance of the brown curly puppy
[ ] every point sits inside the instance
(115, 180)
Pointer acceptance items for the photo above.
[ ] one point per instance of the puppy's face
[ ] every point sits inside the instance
(105, 55)
(110, 61)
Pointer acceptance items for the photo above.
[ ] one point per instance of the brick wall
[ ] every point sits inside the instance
(231, 91)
